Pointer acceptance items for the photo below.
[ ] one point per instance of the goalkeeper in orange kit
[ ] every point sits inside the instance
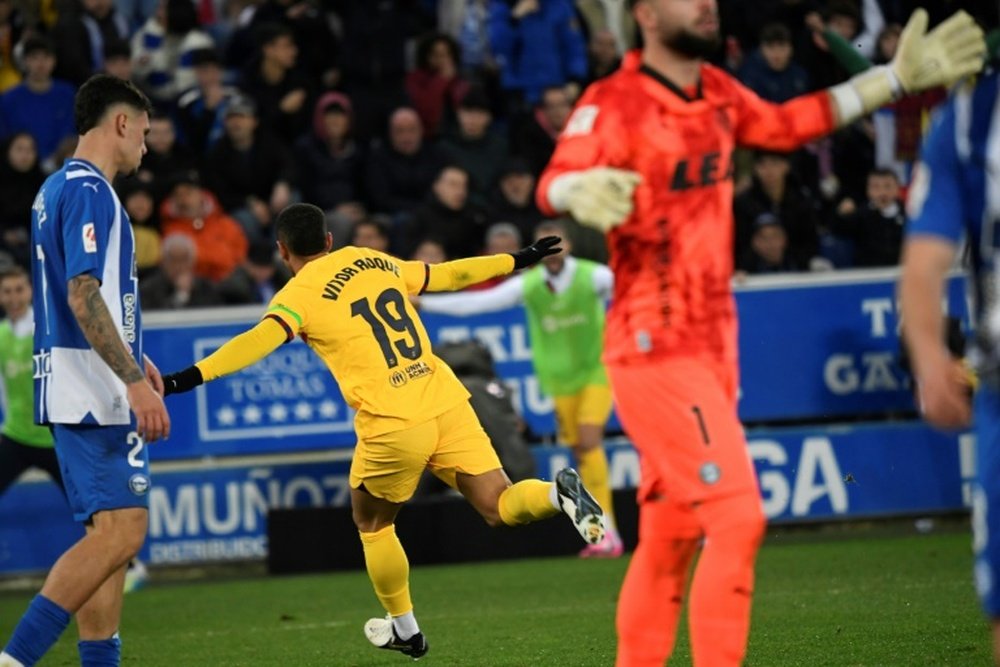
(647, 157)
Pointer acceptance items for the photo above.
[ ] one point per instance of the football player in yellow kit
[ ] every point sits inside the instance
(351, 307)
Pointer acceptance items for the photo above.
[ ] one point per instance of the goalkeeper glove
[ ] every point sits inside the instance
(543, 247)
(952, 51)
(600, 197)
(181, 381)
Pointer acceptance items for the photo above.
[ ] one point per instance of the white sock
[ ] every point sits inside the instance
(554, 496)
(6, 660)
(405, 625)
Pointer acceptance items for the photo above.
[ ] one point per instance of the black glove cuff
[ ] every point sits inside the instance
(185, 380)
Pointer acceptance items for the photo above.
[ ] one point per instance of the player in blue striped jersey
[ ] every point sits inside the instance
(101, 396)
(955, 197)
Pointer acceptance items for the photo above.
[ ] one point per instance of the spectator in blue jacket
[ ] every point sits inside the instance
(39, 105)
(537, 44)
(770, 71)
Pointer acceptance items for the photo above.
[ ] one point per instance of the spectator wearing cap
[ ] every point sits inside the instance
(174, 284)
(165, 156)
(82, 34)
(201, 110)
(220, 242)
(513, 199)
(534, 134)
(257, 279)
(251, 172)
(537, 44)
(776, 190)
(435, 87)
(768, 248)
(400, 172)
(330, 161)
(448, 217)
(39, 105)
(475, 147)
(162, 50)
(770, 71)
(283, 95)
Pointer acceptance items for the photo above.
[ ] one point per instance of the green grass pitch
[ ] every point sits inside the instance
(861, 600)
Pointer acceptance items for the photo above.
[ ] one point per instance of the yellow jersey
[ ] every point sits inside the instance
(352, 308)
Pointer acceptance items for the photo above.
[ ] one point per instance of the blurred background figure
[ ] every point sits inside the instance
(175, 285)
(20, 178)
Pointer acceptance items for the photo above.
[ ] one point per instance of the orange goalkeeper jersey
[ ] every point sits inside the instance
(673, 257)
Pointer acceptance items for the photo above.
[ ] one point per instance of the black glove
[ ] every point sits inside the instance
(181, 381)
(543, 247)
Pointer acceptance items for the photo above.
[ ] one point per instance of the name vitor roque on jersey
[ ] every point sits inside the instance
(702, 171)
(336, 284)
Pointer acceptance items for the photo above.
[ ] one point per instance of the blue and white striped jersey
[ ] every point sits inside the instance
(80, 227)
(956, 193)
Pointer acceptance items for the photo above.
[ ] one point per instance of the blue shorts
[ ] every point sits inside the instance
(103, 467)
(986, 500)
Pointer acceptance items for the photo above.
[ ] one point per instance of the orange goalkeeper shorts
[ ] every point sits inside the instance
(680, 413)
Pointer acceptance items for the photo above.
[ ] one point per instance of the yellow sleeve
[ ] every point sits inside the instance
(245, 350)
(455, 275)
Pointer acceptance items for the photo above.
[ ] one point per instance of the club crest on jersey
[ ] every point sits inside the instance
(89, 238)
(138, 484)
(581, 121)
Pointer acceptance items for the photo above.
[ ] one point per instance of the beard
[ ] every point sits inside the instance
(691, 45)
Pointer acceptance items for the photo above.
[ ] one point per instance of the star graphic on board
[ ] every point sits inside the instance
(252, 414)
(328, 409)
(303, 411)
(277, 412)
(226, 416)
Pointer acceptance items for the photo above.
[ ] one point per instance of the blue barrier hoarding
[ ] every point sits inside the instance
(811, 348)
(212, 511)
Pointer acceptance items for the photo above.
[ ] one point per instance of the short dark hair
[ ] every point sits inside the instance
(426, 44)
(269, 32)
(37, 43)
(554, 226)
(884, 171)
(14, 271)
(302, 229)
(101, 92)
(775, 33)
(380, 224)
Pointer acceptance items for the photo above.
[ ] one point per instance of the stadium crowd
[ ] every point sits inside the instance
(421, 127)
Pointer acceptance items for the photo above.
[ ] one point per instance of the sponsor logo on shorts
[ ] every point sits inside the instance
(710, 473)
(397, 379)
(138, 484)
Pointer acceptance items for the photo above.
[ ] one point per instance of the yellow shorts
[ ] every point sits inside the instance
(390, 465)
(591, 405)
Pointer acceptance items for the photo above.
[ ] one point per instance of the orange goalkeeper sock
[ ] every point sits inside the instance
(528, 500)
(388, 569)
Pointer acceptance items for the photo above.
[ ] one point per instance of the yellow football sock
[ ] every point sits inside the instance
(593, 466)
(388, 569)
(528, 500)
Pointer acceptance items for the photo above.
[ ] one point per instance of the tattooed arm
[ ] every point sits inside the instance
(99, 329)
(94, 318)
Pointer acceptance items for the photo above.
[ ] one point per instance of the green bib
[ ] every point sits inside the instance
(17, 371)
(567, 331)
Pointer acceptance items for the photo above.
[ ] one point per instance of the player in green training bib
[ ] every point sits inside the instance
(564, 298)
(23, 443)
